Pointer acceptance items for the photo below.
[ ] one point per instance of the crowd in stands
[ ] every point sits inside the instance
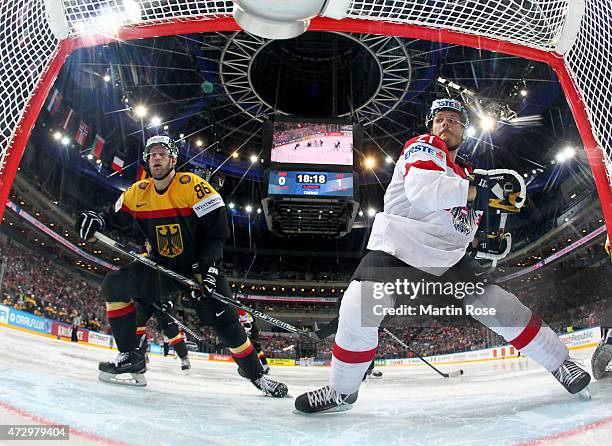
(31, 282)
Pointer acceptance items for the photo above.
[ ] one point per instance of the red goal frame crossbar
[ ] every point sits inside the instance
(594, 154)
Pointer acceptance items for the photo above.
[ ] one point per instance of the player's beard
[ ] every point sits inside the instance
(163, 172)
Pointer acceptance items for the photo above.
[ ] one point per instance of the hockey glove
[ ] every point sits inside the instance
(88, 223)
(166, 307)
(207, 276)
(502, 189)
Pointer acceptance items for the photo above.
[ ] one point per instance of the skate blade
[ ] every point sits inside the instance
(336, 409)
(186, 372)
(589, 391)
(135, 379)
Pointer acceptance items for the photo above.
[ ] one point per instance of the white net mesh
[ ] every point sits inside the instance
(536, 24)
(590, 64)
(82, 14)
(26, 48)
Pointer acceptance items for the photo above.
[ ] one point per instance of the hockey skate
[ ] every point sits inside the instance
(185, 365)
(573, 378)
(324, 400)
(601, 361)
(270, 387)
(266, 369)
(132, 363)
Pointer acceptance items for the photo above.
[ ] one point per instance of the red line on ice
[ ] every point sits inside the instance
(568, 433)
(73, 431)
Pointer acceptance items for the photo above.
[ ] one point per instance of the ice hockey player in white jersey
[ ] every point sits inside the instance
(431, 213)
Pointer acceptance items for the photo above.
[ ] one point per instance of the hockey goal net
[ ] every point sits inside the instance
(573, 36)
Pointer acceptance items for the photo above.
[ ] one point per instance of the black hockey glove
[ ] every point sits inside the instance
(166, 307)
(502, 189)
(207, 276)
(88, 223)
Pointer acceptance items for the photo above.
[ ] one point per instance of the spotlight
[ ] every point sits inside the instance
(155, 121)
(182, 135)
(487, 123)
(165, 127)
(140, 111)
(98, 161)
(65, 140)
(89, 156)
(523, 92)
(470, 131)
(259, 210)
(57, 136)
(253, 158)
(369, 163)
(371, 212)
(106, 78)
(560, 157)
(248, 208)
(199, 143)
(235, 155)
(388, 160)
(569, 152)
(232, 205)
(361, 213)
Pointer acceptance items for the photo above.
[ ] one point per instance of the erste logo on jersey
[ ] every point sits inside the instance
(169, 240)
(426, 149)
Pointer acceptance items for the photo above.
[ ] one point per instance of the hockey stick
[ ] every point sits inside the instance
(454, 374)
(196, 286)
(188, 330)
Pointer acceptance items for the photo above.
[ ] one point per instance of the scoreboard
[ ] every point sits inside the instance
(302, 183)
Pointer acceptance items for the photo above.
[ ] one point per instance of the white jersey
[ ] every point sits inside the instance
(425, 222)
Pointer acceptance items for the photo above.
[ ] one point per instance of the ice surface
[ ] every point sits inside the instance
(494, 403)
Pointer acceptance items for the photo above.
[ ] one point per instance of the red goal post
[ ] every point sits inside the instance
(573, 37)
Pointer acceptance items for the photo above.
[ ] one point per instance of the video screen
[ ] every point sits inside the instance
(312, 143)
(303, 183)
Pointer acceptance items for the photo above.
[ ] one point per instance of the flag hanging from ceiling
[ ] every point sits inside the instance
(98, 145)
(141, 173)
(67, 118)
(117, 165)
(55, 102)
(81, 134)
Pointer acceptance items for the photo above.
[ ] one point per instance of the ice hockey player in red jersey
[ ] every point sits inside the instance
(184, 219)
(431, 214)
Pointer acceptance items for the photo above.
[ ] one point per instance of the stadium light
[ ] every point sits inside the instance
(65, 140)
(155, 121)
(370, 162)
(106, 78)
(89, 156)
(470, 131)
(232, 205)
(569, 152)
(235, 154)
(253, 158)
(199, 143)
(259, 210)
(182, 135)
(140, 111)
(523, 92)
(165, 127)
(487, 123)
(57, 136)
(388, 160)
(248, 208)
(371, 212)
(361, 213)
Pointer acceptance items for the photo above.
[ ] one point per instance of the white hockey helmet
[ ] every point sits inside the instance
(450, 105)
(160, 140)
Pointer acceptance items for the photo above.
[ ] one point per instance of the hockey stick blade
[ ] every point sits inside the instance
(453, 374)
(196, 286)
